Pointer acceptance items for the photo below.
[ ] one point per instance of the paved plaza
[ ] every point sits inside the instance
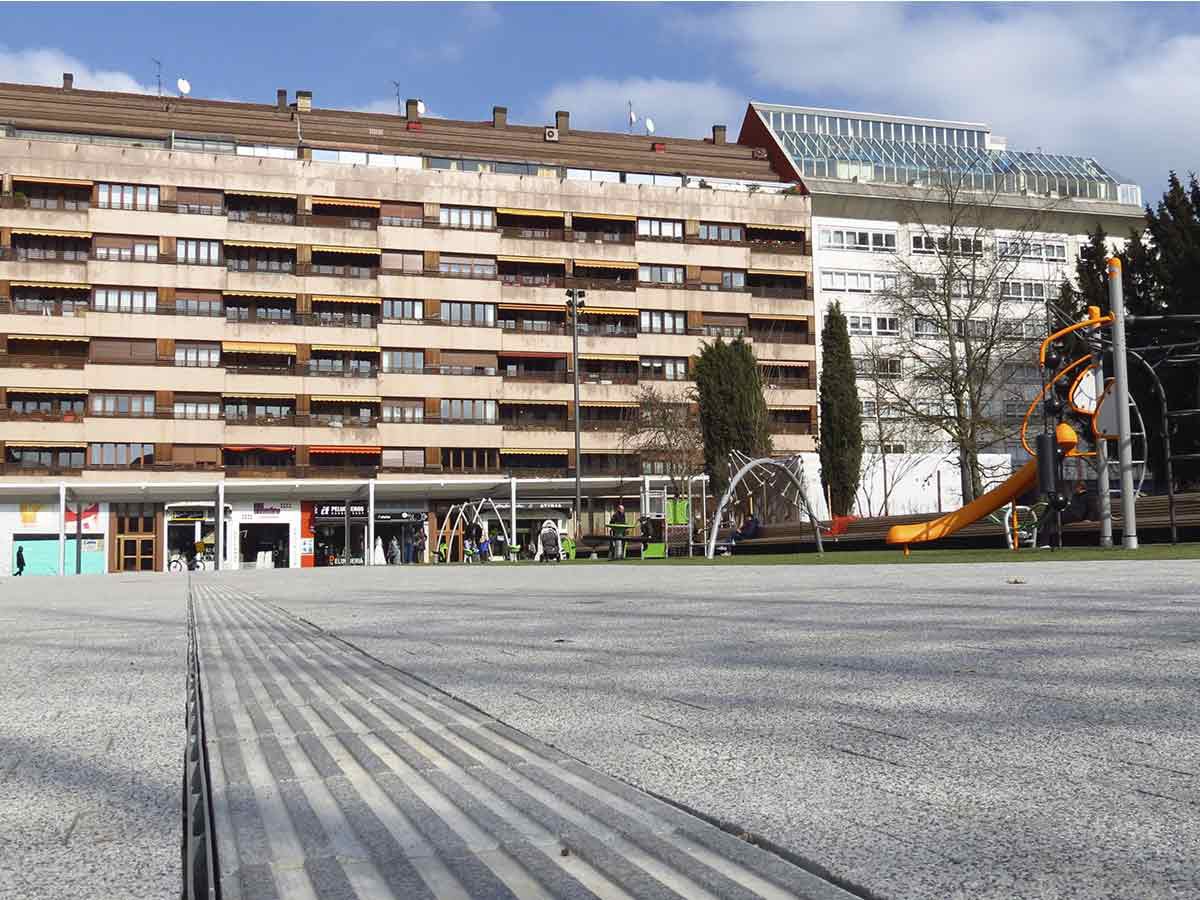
(915, 731)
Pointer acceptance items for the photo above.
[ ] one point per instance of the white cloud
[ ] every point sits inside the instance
(678, 108)
(1108, 82)
(46, 66)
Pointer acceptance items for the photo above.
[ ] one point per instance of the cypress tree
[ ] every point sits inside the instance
(733, 413)
(841, 441)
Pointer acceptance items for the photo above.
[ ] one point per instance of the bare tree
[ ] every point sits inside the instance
(889, 444)
(666, 428)
(945, 375)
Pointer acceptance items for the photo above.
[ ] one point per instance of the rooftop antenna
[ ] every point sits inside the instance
(158, 75)
(399, 109)
(632, 117)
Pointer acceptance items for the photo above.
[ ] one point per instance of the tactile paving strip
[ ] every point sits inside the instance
(337, 776)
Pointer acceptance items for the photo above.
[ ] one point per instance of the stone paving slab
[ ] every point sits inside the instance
(336, 776)
(921, 731)
(91, 752)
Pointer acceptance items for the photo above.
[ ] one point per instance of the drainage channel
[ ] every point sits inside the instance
(334, 775)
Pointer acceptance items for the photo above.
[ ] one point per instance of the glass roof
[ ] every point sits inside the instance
(851, 146)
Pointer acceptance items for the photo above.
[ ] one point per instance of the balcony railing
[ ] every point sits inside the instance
(20, 201)
(337, 271)
(34, 254)
(791, 383)
(599, 284)
(261, 266)
(11, 415)
(532, 233)
(766, 337)
(794, 247)
(41, 361)
(789, 427)
(261, 217)
(511, 327)
(365, 223)
(602, 237)
(608, 377)
(529, 280)
(783, 293)
(545, 425)
(536, 375)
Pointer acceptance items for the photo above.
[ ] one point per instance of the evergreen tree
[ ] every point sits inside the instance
(733, 413)
(1091, 272)
(841, 446)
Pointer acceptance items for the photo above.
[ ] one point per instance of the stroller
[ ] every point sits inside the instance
(551, 542)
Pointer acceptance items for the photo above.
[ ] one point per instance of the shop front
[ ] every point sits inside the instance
(401, 534)
(325, 540)
(530, 517)
(264, 534)
(32, 529)
(191, 535)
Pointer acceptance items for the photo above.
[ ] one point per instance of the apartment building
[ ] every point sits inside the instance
(877, 215)
(196, 290)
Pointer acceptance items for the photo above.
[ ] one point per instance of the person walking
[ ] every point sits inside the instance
(419, 546)
(20, 560)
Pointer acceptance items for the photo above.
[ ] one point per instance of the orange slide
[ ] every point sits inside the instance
(1016, 485)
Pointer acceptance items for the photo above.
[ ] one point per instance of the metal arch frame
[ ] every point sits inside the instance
(762, 462)
(458, 513)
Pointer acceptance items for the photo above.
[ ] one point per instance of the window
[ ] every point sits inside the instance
(127, 196)
(926, 328)
(404, 411)
(44, 405)
(1051, 251)
(660, 274)
(455, 312)
(893, 449)
(467, 266)
(858, 282)
(662, 229)
(404, 309)
(733, 281)
(409, 361)
(197, 409)
(200, 253)
(846, 239)
(711, 231)
(976, 328)
(1023, 290)
(655, 321)
(868, 408)
(887, 325)
(467, 217)
(659, 368)
(185, 306)
(44, 457)
(121, 404)
(889, 367)
(139, 250)
(126, 300)
(923, 243)
(197, 355)
(410, 262)
(859, 324)
(483, 411)
(121, 455)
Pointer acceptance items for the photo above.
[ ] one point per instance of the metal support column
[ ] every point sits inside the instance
(512, 515)
(370, 560)
(1116, 302)
(346, 532)
(219, 528)
(78, 536)
(62, 528)
(1103, 490)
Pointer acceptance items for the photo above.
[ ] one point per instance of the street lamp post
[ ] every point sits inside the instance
(574, 305)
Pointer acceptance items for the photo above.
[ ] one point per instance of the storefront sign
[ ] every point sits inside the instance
(43, 517)
(338, 511)
(383, 512)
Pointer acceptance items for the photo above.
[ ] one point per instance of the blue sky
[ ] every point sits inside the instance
(1048, 76)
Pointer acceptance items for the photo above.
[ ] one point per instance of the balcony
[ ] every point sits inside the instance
(261, 217)
(600, 284)
(759, 336)
(337, 270)
(325, 220)
(41, 361)
(531, 233)
(796, 292)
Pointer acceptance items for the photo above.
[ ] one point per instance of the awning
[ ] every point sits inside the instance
(368, 251)
(788, 408)
(538, 213)
(66, 338)
(532, 402)
(538, 260)
(258, 347)
(533, 307)
(41, 232)
(784, 363)
(326, 299)
(608, 311)
(604, 264)
(74, 392)
(615, 357)
(778, 227)
(259, 294)
(269, 245)
(257, 395)
(71, 444)
(622, 404)
(607, 216)
(345, 348)
(515, 451)
(361, 451)
(347, 201)
(66, 285)
(38, 179)
(260, 194)
(786, 318)
(332, 398)
(777, 272)
(242, 448)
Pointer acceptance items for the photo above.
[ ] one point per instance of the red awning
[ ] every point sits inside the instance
(365, 451)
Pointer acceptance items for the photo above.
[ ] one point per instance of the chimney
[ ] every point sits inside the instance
(304, 101)
(562, 121)
(68, 81)
(281, 99)
(410, 110)
(718, 134)
(499, 116)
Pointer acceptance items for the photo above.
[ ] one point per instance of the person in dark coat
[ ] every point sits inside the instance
(20, 560)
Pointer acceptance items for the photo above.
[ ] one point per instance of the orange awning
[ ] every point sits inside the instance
(362, 451)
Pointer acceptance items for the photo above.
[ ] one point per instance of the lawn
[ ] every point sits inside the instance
(836, 557)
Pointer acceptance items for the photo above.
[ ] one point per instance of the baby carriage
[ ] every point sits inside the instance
(551, 542)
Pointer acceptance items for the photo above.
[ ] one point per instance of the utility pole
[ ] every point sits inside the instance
(574, 305)
(1116, 303)
(158, 72)
(1103, 490)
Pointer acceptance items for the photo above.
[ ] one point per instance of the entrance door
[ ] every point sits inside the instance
(135, 537)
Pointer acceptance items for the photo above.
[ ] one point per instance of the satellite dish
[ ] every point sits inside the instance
(649, 125)
(420, 107)
(185, 86)
(632, 117)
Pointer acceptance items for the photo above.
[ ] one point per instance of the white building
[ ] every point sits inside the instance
(877, 213)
